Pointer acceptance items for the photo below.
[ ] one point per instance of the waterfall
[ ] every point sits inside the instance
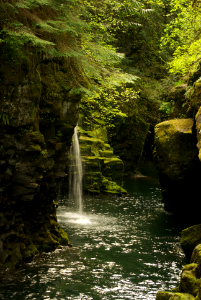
(75, 172)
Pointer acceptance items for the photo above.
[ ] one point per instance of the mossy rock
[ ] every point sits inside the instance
(113, 168)
(34, 148)
(85, 150)
(63, 237)
(106, 153)
(189, 282)
(181, 296)
(173, 144)
(111, 187)
(198, 129)
(29, 252)
(196, 95)
(93, 182)
(90, 141)
(190, 238)
(196, 258)
(92, 163)
(163, 295)
(175, 290)
(49, 242)
(177, 163)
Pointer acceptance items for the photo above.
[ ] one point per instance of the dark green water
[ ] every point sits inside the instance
(124, 248)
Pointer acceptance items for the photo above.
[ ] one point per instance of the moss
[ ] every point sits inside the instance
(162, 295)
(85, 150)
(180, 296)
(34, 148)
(175, 290)
(92, 182)
(190, 238)
(177, 164)
(49, 243)
(195, 95)
(189, 283)
(63, 237)
(111, 187)
(106, 153)
(196, 258)
(30, 251)
(170, 137)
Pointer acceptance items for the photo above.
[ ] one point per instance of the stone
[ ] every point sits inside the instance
(196, 256)
(181, 296)
(178, 166)
(198, 129)
(189, 282)
(162, 295)
(42, 116)
(190, 238)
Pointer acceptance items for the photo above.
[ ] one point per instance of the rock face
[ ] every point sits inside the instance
(178, 166)
(128, 140)
(37, 119)
(103, 172)
(190, 238)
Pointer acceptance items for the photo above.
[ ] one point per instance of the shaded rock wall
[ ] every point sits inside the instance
(128, 140)
(38, 116)
(103, 171)
(178, 165)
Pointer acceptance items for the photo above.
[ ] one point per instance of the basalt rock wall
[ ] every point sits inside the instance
(37, 119)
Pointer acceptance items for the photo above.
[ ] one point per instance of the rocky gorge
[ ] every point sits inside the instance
(177, 158)
(37, 123)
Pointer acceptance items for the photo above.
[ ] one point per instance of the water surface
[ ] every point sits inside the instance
(124, 248)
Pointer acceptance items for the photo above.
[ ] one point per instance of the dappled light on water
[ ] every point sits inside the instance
(123, 248)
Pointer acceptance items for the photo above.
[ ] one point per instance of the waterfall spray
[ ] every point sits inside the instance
(75, 172)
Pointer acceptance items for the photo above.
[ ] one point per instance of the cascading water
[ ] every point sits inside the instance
(75, 172)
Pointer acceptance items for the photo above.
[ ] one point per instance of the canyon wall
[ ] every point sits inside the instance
(38, 114)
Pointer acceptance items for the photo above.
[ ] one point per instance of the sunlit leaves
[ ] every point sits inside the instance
(183, 35)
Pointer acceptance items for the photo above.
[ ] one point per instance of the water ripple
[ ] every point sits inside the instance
(124, 248)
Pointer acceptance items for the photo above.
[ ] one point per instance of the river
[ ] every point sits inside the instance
(123, 248)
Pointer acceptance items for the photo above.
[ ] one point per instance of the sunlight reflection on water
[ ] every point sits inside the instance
(124, 248)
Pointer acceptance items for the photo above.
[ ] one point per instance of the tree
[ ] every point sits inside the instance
(183, 36)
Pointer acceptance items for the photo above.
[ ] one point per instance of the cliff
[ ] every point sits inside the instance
(37, 119)
(177, 157)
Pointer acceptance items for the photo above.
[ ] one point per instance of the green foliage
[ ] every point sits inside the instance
(183, 36)
(165, 109)
(83, 33)
(106, 105)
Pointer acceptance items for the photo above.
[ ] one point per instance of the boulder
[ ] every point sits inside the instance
(163, 295)
(190, 282)
(181, 296)
(178, 166)
(190, 238)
